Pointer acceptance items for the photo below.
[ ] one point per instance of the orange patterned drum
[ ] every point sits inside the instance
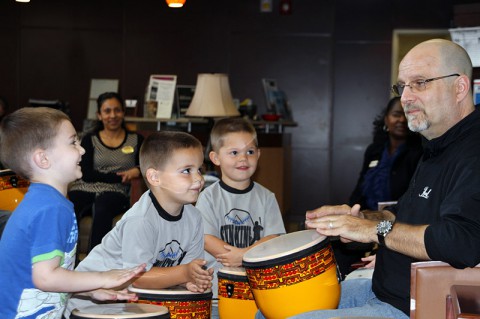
(12, 189)
(181, 303)
(121, 311)
(293, 274)
(235, 298)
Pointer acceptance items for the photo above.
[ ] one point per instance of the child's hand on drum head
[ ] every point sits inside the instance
(199, 275)
(194, 288)
(119, 277)
(111, 295)
(232, 258)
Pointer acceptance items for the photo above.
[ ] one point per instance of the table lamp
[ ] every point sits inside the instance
(212, 99)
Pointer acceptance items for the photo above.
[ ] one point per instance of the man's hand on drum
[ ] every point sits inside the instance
(344, 221)
(333, 210)
(232, 258)
(111, 295)
(200, 278)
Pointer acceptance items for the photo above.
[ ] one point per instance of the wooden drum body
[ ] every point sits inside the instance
(293, 274)
(235, 298)
(181, 303)
(121, 311)
(12, 189)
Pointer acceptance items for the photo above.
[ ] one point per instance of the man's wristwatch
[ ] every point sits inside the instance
(383, 228)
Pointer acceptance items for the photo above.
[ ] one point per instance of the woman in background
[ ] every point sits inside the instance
(390, 161)
(389, 164)
(110, 162)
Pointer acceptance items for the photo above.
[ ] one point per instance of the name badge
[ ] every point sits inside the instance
(373, 163)
(128, 149)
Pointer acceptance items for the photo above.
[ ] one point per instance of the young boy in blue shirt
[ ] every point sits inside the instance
(39, 242)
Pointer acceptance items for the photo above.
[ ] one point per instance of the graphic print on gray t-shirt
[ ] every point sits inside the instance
(171, 255)
(240, 230)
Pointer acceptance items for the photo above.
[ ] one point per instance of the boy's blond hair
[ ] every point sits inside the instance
(230, 125)
(158, 147)
(25, 130)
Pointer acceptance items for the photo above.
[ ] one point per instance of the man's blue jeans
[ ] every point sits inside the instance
(357, 299)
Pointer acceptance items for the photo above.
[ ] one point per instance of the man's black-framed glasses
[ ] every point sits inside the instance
(418, 85)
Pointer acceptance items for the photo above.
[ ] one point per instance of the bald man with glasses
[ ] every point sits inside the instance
(438, 218)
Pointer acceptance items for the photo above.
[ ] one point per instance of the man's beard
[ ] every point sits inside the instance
(417, 122)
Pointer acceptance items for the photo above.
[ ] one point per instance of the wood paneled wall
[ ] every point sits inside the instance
(332, 57)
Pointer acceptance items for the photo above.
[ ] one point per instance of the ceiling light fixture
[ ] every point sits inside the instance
(175, 3)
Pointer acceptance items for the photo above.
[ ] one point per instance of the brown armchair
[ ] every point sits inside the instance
(430, 286)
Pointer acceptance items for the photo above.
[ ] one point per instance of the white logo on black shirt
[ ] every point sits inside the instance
(426, 192)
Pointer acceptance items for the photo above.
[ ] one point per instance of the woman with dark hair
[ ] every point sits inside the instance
(390, 161)
(389, 164)
(110, 162)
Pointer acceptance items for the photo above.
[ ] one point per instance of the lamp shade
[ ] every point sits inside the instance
(212, 97)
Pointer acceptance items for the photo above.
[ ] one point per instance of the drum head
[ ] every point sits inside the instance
(10, 179)
(237, 274)
(282, 246)
(236, 271)
(6, 172)
(173, 293)
(121, 311)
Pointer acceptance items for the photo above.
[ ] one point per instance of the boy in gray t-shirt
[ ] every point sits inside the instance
(162, 229)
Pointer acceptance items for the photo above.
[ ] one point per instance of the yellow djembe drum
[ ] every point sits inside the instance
(12, 189)
(235, 298)
(293, 274)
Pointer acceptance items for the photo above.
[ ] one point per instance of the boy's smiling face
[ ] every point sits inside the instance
(180, 180)
(64, 156)
(237, 158)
